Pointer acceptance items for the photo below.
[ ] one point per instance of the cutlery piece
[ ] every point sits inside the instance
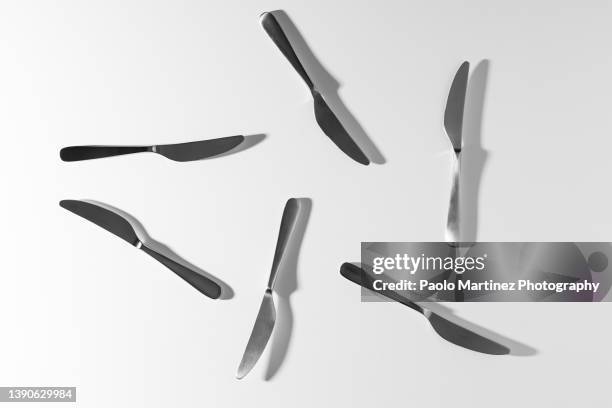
(326, 119)
(453, 124)
(118, 225)
(266, 317)
(180, 152)
(446, 329)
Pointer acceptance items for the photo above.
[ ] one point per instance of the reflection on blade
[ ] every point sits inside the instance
(332, 127)
(453, 114)
(259, 336)
(463, 337)
(103, 218)
(199, 150)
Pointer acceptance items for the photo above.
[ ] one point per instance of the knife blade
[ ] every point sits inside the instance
(453, 114)
(180, 152)
(325, 117)
(262, 330)
(446, 329)
(453, 125)
(266, 317)
(121, 227)
(331, 126)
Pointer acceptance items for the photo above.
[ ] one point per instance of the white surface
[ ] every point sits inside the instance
(80, 307)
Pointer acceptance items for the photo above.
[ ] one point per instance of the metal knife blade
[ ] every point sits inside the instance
(463, 337)
(331, 126)
(453, 114)
(102, 217)
(190, 151)
(264, 324)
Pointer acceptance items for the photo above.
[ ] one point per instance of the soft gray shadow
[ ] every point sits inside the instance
(473, 155)
(516, 348)
(249, 142)
(226, 290)
(286, 283)
(328, 86)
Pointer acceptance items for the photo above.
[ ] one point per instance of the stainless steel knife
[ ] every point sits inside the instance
(446, 329)
(181, 152)
(453, 125)
(121, 227)
(327, 120)
(266, 317)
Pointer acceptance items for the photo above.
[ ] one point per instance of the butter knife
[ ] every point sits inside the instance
(453, 125)
(327, 120)
(266, 317)
(446, 329)
(180, 152)
(121, 227)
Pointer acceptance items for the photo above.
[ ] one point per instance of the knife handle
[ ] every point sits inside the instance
(75, 153)
(353, 273)
(452, 219)
(276, 33)
(357, 275)
(290, 216)
(201, 283)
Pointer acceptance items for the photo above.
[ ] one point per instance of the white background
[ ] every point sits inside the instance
(81, 308)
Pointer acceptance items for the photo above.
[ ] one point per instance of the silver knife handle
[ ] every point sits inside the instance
(290, 215)
(75, 153)
(203, 284)
(452, 220)
(276, 33)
